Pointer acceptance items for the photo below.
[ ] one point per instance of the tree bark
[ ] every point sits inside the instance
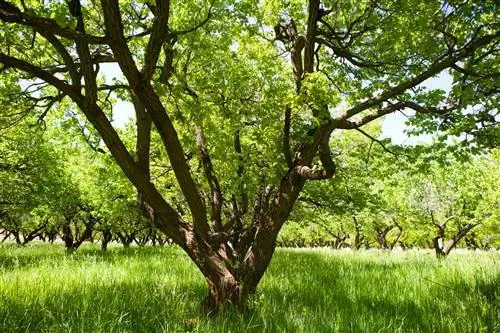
(223, 290)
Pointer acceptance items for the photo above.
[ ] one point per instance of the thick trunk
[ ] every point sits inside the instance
(223, 291)
(219, 269)
(232, 273)
(229, 286)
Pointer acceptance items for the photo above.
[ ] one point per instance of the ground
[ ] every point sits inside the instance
(305, 290)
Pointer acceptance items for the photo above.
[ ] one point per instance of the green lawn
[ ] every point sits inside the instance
(159, 290)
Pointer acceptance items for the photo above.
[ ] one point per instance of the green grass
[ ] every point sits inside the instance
(158, 290)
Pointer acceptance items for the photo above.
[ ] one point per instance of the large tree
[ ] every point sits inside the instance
(257, 105)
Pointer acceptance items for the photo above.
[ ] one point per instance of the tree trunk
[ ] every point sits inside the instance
(471, 242)
(73, 241)
(438, 246)
(125, 238)
(358, 238)
(229, 287)
(442, 250)
(67, 237)
(106, 238)
(398, 236)
(17, 237)
(220, 271)
(223, 290)
(37, 232)
(381, 237)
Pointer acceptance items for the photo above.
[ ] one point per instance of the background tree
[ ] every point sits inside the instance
(455, 198)
(30, 182)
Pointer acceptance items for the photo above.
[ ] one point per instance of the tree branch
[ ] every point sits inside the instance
(11, 14)
(243, 192)
(312, 19)
(159, 34)
(82, 48)
(173, 225)
(59, 47)
(326, 160)
(216, 194)
(196, 26)
(344, 53)
(437, 67)
(286, 137)
(376, 140)
(146, 93)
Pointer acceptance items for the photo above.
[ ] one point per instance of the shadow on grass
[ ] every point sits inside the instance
(327, 294)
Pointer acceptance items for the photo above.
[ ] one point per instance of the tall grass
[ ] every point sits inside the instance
(159, 290)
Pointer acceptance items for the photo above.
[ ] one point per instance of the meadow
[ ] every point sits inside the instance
(153, 289)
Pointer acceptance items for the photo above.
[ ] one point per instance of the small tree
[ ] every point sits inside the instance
(454, 198)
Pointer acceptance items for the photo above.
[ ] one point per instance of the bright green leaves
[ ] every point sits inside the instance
(229, 80)
(318, 93)
(273, 11)
(29, 172)
(57, 11)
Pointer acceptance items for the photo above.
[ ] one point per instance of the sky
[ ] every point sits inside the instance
(393, 125)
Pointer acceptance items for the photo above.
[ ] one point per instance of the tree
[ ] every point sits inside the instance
(455, 198)
(30, 183)
(222, 88)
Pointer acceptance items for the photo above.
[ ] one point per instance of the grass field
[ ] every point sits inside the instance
(158, 290)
